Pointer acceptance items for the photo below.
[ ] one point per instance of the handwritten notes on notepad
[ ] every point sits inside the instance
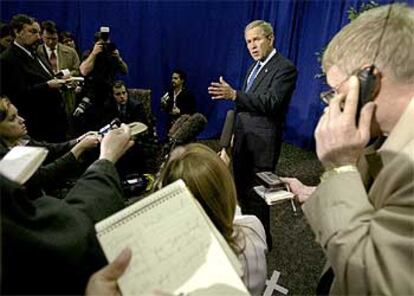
(173, 246)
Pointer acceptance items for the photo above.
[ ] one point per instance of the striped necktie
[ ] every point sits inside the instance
(253, 76)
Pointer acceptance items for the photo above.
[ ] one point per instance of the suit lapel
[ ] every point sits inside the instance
(268, 68)
(45, 60)
(30, 62)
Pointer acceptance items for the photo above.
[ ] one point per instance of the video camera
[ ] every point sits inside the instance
(108, 47)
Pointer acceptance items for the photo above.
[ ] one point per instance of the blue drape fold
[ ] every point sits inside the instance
(206, 40)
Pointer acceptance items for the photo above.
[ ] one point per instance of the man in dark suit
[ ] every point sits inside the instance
(261, 106)
(122, 106)
(178, 100)
(50, 245)
(30, 84)
(130, 110)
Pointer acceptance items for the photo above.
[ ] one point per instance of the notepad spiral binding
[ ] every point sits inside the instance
(128, 214)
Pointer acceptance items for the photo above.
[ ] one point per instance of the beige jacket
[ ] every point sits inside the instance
(369, 237)
(67, 58)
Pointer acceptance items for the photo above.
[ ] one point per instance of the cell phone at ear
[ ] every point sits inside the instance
(368, 83)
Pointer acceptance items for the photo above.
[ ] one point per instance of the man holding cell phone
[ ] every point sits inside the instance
(362, 212)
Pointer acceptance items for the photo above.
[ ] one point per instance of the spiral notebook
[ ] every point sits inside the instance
(175, 247)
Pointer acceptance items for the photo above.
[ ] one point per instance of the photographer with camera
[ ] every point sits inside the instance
(99, 69)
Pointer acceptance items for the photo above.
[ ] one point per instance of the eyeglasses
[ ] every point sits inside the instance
(328, 95)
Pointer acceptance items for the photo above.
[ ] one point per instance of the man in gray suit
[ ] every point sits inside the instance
(261, 106)
(362, 212)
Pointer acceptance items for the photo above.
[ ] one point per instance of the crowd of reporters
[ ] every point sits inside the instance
(50, 243)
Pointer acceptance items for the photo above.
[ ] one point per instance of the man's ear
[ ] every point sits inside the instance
(271, 37)
(16, 33)
(378, 75)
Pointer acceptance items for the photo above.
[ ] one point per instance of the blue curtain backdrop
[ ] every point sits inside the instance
(205, 39)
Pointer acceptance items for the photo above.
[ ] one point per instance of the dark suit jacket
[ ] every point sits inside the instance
(260, 113)
(185, 102)
(24, 81)
(134, 112)
(59, 166)
(49, 246)
(138, 158)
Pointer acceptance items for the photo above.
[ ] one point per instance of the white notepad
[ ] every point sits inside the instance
(21, 162)
(272, 197)
(175, 247)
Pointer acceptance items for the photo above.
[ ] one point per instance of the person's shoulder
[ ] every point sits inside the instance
(40, 49)
(187, 92)
(134, 102)
(281, 60)
(250, 224)
(253, 235)
(9, 52)
(66, 49)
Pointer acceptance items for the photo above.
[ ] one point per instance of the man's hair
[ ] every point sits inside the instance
(180, 73)
(5, 30)
(19, 20)
(265, 26)
(66, 35)
(49, 26)
(211, 183)
(357, 43)
(118, 84)
(4, 107)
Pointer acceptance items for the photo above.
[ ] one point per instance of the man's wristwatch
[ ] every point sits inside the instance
(338, 170)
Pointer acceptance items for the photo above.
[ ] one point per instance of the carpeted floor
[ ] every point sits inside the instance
(295, 254)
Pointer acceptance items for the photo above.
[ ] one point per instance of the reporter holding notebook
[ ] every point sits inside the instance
(49, 245)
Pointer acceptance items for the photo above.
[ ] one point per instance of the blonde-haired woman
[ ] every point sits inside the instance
(211, 183)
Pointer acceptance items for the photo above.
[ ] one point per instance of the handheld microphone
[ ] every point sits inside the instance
(164, 100)
(190, 129)
(186, 129)
(84, 104)
(227, 131)
(178, 124)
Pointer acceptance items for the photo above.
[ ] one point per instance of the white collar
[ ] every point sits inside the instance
(23, 48)
(49, 50)
(271, 54)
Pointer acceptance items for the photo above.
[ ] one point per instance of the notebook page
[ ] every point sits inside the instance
(21, 162)
(173, 248)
